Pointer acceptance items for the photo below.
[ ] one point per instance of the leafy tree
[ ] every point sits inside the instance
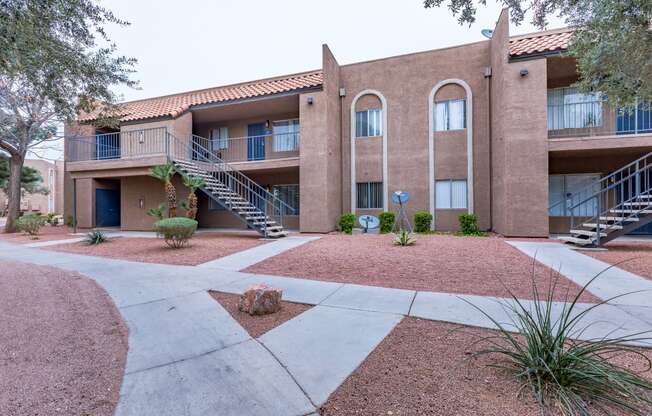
(192, 183)
(55, 61)
(164, 173)
(30, 179)
(612, 41)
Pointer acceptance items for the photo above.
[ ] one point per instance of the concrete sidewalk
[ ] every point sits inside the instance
(188, 356)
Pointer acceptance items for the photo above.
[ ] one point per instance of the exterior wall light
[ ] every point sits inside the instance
(141, 203)
(524, 72)
(310, 100)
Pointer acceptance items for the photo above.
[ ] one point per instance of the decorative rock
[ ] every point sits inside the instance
(260, 300)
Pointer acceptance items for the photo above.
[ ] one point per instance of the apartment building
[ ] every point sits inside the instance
(492, 128)
(53, 179)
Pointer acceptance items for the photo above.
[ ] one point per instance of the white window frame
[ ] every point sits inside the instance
(445, 200)
(570, 109)
(445, 125)
(561, 210)
(286, 142)
(220, 142)
(275, 192)
(375, 128)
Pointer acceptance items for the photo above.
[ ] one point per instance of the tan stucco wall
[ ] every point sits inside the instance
(406, 83)
(520, 141)
(320, 162)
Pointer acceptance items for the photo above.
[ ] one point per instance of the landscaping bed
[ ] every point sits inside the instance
(63, 344)
(47, 233)
(258, 325)
(202, 248)
(439, 263)
(635, 257)
(423, 368)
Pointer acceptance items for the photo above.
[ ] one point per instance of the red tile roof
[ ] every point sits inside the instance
(175, 105)
(541, 42)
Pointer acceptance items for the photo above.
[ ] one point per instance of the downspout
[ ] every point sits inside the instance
(488, 77)
(74, 205)
(342, 151)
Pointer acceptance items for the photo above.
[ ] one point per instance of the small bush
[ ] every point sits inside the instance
(404, 238)
(347, 221)
(31, 224)
(176, 231)
(52, 219)
(386, 222)
(95, 237)
(469, 225)
(422, 222)
(566, 375)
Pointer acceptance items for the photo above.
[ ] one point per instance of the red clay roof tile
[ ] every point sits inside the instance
(175, 105)
(534, 43)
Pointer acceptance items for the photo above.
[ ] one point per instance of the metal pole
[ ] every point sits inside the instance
(74, 205)
(598, 222)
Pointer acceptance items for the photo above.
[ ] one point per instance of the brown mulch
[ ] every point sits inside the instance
(635, 257)
(439, 263)
(258, 325)
(63, 344)
(423, 368)
(47, 233)
(202, 248)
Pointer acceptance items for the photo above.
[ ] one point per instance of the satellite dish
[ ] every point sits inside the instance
(400, 197)
(368, 221)
(487, 33)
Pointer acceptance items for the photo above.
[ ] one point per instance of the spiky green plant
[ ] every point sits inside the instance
(158, 212)
(193, 183)
(565, 375)
(404, 238)
(164, 173)
(95, 237)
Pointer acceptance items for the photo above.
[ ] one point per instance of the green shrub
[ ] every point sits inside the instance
(567, 376)
(95, 237)
(404, 238)
(52, 218)
(158, 212)
(469, 224)
(176, 231)
(70, 221)
(422, 222)
(31, 224)
(347, 221)
(386, 222)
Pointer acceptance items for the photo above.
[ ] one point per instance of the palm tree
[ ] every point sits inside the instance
(193, 183)
(164, 173)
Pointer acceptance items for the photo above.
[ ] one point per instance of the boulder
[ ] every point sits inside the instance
(260, 300)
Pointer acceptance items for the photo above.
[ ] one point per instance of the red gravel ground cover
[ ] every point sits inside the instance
(203, 247)
(635, 257)
(422, 368)
(48, 233)
(63, 344)
(258, 325)
(440, 263)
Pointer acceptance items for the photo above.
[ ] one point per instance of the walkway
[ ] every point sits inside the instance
(188, 356)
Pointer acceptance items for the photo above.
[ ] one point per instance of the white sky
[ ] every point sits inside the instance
(193, 44)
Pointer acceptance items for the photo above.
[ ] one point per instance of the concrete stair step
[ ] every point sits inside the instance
(576, 241)
(602, 226)
(630, 211)
(587, 233)
(614, 219)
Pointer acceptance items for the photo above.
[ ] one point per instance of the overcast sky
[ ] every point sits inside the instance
(193, 44)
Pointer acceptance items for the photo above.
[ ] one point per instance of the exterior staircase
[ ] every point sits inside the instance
(612, 206)
(252, 204)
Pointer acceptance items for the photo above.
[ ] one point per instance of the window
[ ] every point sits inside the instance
(289, 194)
(369, 123)
(450, 115)
(560, 187)
(286, 136)
(220, 138)
(569, 109)
(370, 195)
(451, 194)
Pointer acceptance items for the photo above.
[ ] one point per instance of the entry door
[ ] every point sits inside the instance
(107, 208)
(256, 141)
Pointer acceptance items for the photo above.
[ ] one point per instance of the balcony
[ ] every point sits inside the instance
(595, 118)
(116, 146)
(252, 148)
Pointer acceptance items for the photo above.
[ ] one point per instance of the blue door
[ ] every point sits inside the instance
(107, 208)
(256, 141)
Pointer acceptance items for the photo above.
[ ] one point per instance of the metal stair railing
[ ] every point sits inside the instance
(191, 151)
(618, 192)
